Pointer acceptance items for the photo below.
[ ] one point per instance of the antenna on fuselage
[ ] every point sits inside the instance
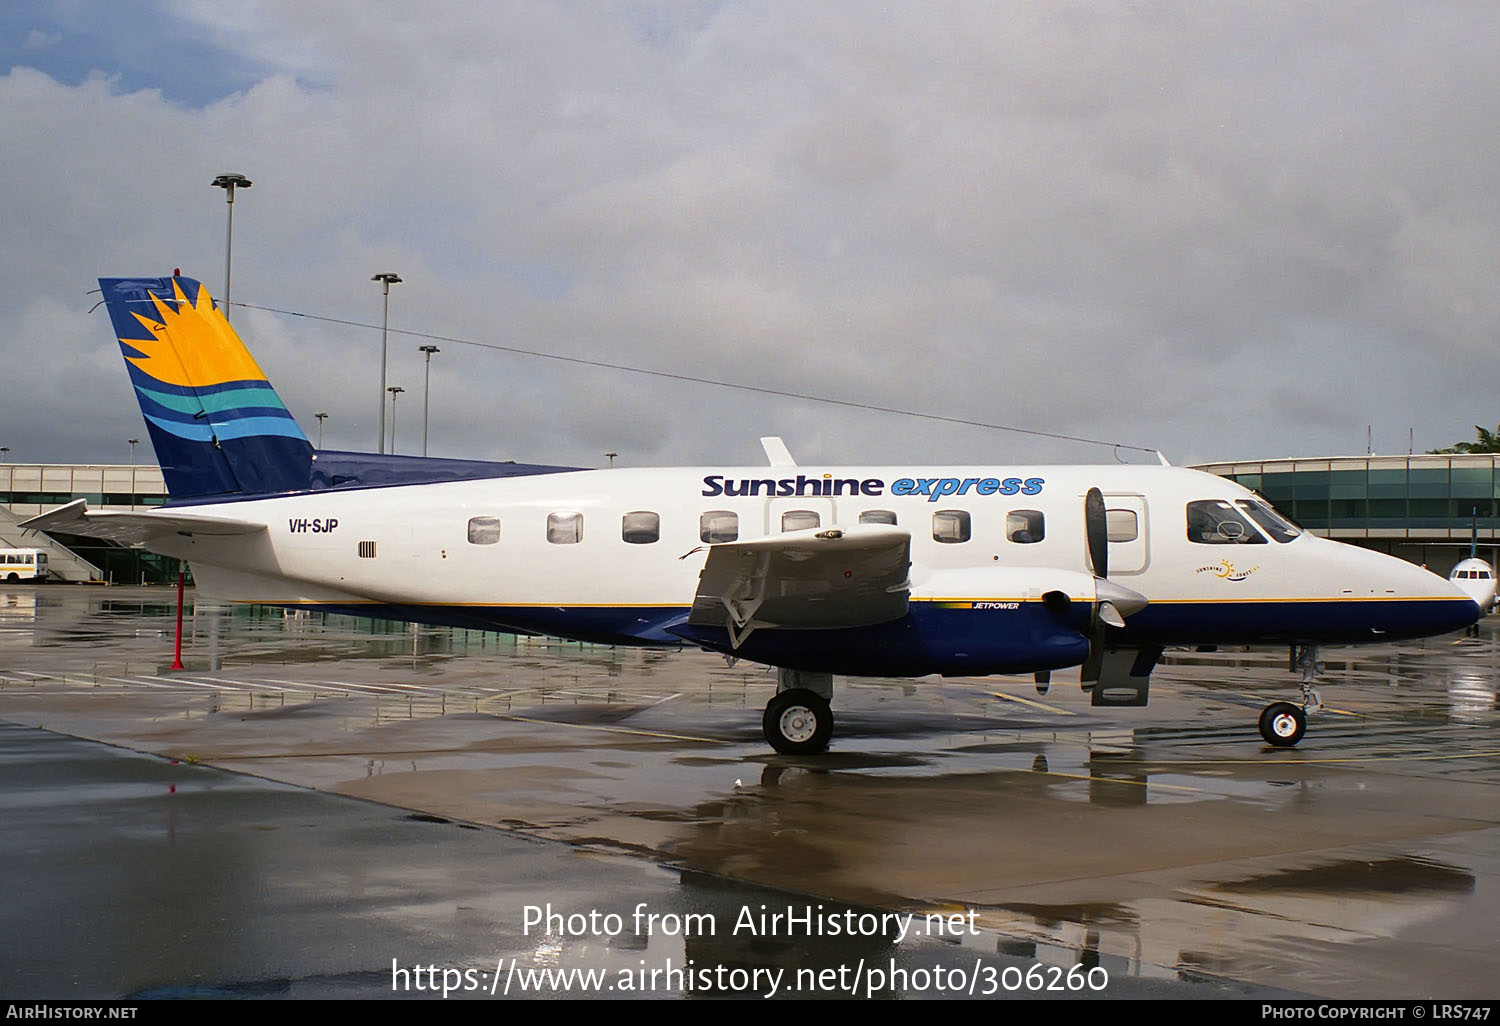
(777, 452)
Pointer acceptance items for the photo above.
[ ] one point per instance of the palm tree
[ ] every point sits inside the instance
(1488, 441)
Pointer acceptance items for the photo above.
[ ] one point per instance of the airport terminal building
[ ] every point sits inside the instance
(27, 489)
(1417, 507)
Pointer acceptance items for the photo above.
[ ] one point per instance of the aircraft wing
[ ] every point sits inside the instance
(133, 528)
(816, 579)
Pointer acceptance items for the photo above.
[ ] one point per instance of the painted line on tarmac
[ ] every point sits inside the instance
(1033, 704)
(1247, 701)
(211, 686)
(1394, 757)
(141, 682)
(1116, 780)
(615, 730)
(374, 689)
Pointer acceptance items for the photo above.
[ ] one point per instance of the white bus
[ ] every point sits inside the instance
(23, 565)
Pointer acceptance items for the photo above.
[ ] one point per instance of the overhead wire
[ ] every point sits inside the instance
(699, 380)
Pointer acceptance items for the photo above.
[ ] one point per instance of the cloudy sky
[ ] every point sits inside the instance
(1225, 230)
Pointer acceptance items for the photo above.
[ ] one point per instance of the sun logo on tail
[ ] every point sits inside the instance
(190, 343)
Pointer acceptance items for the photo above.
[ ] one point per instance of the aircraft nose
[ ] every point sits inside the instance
(1476, 579)
(1462, 608)
(1476, 590)
(1404, 600)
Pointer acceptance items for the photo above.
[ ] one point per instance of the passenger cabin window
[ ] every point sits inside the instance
(799, 519)
(719, 525)
(877, 516)
(1025, 526)
(1271, 522)
(484, 530)
(951, 526)
(640, 528)
(1216, 522)
(1121, 525)
(564, 528)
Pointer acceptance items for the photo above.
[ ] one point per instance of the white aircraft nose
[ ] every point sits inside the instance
(1397, 599)
(1476, 579)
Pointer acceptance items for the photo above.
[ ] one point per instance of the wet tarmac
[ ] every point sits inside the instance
(1166, 850)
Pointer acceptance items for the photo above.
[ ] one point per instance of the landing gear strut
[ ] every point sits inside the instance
(1282, 724)
(798, 720)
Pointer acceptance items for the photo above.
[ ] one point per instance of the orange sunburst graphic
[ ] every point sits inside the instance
(192, 346)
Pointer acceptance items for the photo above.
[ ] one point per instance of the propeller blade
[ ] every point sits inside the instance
(1094, 663)
(1096, 528)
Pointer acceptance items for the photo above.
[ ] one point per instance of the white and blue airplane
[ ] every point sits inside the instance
(1473, 576)
(815, 570)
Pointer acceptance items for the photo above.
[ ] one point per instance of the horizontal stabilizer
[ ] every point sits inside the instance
(817, 579)
(133, 528)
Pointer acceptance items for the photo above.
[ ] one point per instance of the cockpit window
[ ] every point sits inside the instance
(1216, 522)
(1273, 523)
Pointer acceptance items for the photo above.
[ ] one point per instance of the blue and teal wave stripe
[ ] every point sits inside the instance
(234, 409)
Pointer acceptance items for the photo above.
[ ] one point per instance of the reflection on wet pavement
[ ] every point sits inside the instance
(1163, 843)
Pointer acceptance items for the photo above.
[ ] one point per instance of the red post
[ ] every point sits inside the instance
(177, 657)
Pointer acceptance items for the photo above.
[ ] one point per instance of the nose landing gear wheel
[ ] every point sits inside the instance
(798, 722)
(1282, 724)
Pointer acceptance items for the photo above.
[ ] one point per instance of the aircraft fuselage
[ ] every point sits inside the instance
(610, 556)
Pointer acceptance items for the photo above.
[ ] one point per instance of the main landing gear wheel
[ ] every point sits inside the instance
(1282, 724)
(798, 722)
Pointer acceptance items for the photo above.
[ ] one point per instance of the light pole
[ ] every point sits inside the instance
(611, 456)
(386, 279)
(321, 418)
(133, 443)
(395, 390)
(229, 183)
(426, 390)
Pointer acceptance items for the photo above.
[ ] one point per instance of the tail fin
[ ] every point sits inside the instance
(216, 424)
